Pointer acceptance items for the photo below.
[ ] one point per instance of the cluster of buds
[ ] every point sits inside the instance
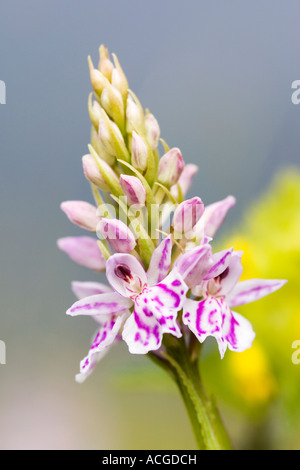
(154, 244)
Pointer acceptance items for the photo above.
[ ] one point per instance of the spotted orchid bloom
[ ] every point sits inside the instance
(212, 315)
(155, 298)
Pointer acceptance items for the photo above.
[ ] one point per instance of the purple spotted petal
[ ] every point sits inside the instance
(170, 293)
(154, 314)
(212, 317)
(221, 262)
(101, 304)
(230, 277)
(104, 338)
(195, 264)
(125, 274)
(253, 289)
(141, 331)
(160, 262)
(203, 318)
(238, 332)
(86, 289)
(84, 251)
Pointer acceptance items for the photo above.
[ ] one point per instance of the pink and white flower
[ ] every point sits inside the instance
(84, 251)
(154, 298)
(106, 335)
(212, 315)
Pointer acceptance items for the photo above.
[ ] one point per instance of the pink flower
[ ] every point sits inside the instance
(220, 291)
(187, 215)
(154, 297)
(81, 213)
(117, 234)
(84, 251)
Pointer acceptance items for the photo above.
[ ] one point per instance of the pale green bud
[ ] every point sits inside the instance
(140, 152)
(111, 138)
(94, 111)
(105, 64)
(99, 147)
(118, 78)
(134, 117)
(112, 102)
(92, 172)
(98, 80)
(152, 130)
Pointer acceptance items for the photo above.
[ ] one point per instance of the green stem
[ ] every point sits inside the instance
(207, 425)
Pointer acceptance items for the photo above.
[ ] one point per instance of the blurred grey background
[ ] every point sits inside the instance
(217, 75)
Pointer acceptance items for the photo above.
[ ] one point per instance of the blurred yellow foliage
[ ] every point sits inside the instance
(264, 376)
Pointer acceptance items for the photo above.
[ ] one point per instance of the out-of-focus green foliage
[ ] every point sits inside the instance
(263, 382)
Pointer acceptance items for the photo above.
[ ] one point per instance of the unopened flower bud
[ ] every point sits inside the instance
(93, 173)
(134, 117)
(84, 251)
(118, 78)
(94, 112)
(117, 234)
(105, 64)
(140, 152)
(112, 102)
(185, 180)
(100, 149)
(107, 173)
(98, 80)
(134, 190)
(111, 137)
(187, 215)
(170, 167)
(152, 130)
(81, 213)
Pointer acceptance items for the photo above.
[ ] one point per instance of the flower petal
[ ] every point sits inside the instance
(154, 314)
(194, 264)
(125, 274)
(117, 234)
(104, 338)
(221, 262)
(238, 332)
(86, 289)
(203, 318)
(81, 213)
(160, 261)
(232, 274)
(170, 293)
(253, 289)
(185, 179)
(84, 251)
(141, 331)
(101, 304)
(214, 215)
